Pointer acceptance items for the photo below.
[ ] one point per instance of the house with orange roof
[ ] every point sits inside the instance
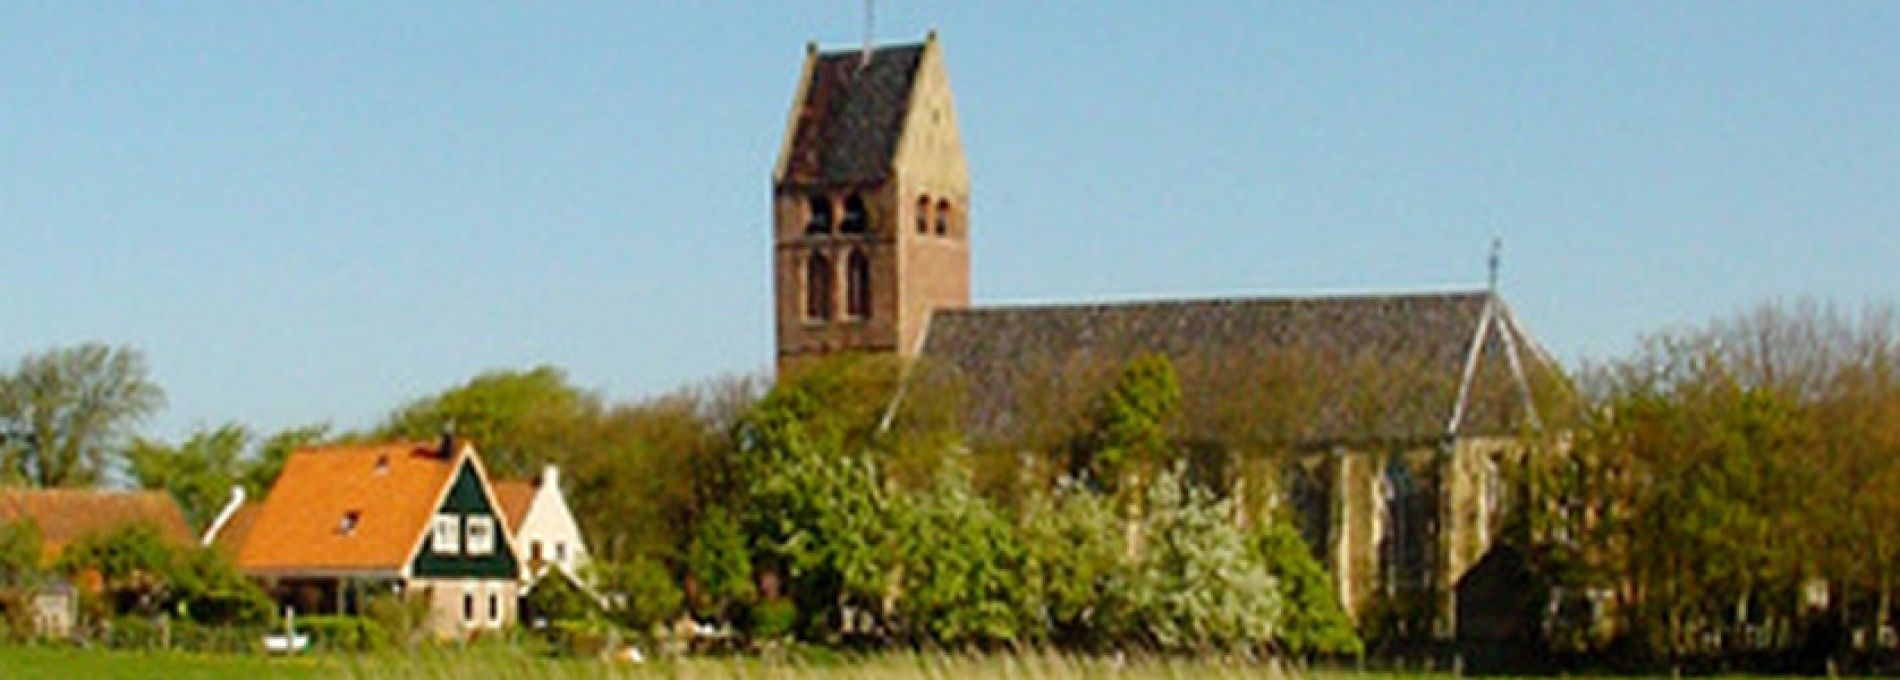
(344, 523)
(62, 516)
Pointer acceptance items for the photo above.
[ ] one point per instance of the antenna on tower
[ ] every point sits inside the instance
(870, 32)
(1492, 262)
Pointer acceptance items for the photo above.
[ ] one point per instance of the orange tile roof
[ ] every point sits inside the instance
(66, 514)
(514, 495)
(392, 489)
(236, 528)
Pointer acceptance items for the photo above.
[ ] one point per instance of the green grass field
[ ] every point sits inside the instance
(507, 662)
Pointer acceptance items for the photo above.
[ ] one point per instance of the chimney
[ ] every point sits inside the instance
(550, 478)
(448, 440)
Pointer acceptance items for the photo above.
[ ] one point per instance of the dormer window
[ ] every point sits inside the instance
(347, 525)
(447, 535)
(854, 221)
(818, 217)
(481, 535)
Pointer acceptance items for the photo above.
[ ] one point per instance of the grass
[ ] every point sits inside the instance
(500, 661)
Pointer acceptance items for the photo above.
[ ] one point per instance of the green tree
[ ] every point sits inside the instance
(1076, 548)
(519, 419)
(961, 565)
(70, 410)
(1128, 435)
(1313, 621)
(20, 562)
(1193, 584)
(201, 471)
(643, 593)
(720, 565)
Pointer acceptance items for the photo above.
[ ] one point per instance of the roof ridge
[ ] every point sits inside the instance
(842, 50)
(1123, 303)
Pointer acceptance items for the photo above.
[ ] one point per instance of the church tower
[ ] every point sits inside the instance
(870, 203)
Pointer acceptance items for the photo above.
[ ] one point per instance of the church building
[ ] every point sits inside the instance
(1403, 406)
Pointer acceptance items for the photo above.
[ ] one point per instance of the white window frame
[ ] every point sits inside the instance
(480, 537)
(446, 538)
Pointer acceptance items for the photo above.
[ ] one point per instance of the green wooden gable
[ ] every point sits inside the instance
(465, 498)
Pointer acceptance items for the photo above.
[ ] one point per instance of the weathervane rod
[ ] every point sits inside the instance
(870, 32)
(1492, 262)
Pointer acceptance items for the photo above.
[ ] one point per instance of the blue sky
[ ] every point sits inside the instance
(308, 212)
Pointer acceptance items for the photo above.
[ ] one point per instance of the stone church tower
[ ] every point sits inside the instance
(870, 203)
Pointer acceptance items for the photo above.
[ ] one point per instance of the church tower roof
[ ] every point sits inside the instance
(849, 115)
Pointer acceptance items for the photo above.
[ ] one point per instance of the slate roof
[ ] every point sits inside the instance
(63, 515)
(1353, 368)
(391, 488)
(852, 116)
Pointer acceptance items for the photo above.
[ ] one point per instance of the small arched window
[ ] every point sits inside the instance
(923, 214)
(943, 218)
(854, 221)
(857, 285)
(818, 288)
(818, 216)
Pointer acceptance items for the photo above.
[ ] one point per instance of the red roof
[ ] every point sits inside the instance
(64, 515)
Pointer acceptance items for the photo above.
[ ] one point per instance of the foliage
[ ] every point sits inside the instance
(520, 419)
(132, 559)
(1194, 584)
(68, 411)
(961, 564)
(642, 593)
(1129, 422)
(1313, 622)
(201, 471)
(773, 618)
(345, 633)
(720, 566)
(1076, 547)
(20, 562)
(205, 587)
(557, 598)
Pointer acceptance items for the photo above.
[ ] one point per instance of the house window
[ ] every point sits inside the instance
(481, 535)
(468, 607)
(494, 607)
(818, 288)
(818, 216)
(560, 551)
(534, 552)
(448, 534)
(857, 285)
(854, 221)
(923, 214)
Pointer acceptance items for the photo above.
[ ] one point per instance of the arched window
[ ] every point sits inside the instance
(818, 216)
(923, 214)
(818, 288)
(943, 217)
(854, 220)
(857, 285)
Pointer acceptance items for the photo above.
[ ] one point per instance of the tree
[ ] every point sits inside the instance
(643, 593)
(200, 472)
(720, 565)
(69, 410)
(1313, 623)
(1076, 547)
(1193, 584)
(20, 562)
(961, 565)
(1128, 435)
(520, 419)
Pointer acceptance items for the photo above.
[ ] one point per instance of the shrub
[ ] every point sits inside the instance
(345, 633)
(645, 593)
(774, 618)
